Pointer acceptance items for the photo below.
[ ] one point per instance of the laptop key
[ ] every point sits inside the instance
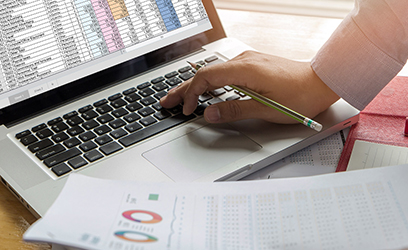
(131, 117)
(85, 109)
(117, 123)
(133, 97)
(75, 131)
(44, 133)
(76, 120)
(134, 106)
(159, 95)
(211, 59)
(160, 86)
(155, 129)
(119, 112)
(143, 85)
(61, 157)
(28, 140)
(102, 130)
(171, 74)
(35, 147)
(59, 127)
(77, 162)
(118, 103)
(38, 127)
(88, 146)
(61, 169)
(148, 121)
(146, 92)
(201, 62)
(88, 115)
(102, 140)
(233, 97)
(132, 127)
(187, 75)
(129, 91)
(163, 114)
(100, 103)
(111, 148)
(157, 106)
(146, 111)
(118, 133)
(157, 80)
(50, 151)
(22, 134)
(104, 109)
(184, 69)
(87, 136)
(228, 88)
(90, 124)
(54, 121)
(215, 100)
(70, 114)
(176, 110)
(72, 142)
(174, 81)
(239, 93)
(114, 97)
(93, 155)
(204, 97)
(105, 118)
(218, 92)
(59, 137)
(148, 101)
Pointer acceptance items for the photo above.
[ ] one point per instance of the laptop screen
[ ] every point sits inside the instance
(63, 45)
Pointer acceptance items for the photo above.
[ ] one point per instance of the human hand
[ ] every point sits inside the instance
(291, 83)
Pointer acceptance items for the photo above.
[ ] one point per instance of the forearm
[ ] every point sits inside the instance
(366, 51)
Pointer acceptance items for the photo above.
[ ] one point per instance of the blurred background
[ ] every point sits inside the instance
(322, 8)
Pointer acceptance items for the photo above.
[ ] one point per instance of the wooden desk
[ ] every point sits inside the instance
(294, 37)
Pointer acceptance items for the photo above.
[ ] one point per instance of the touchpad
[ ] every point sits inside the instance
(201, 152)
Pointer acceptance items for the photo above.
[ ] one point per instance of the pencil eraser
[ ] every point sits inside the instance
(318, 127)
(406, 127)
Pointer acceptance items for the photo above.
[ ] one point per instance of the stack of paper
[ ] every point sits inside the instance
(363, 209)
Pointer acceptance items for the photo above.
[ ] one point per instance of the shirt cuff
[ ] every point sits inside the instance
(353, 66)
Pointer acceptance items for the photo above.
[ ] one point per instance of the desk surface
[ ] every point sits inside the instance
(294, 37)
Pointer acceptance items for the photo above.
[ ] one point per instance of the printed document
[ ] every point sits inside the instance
(362, 209)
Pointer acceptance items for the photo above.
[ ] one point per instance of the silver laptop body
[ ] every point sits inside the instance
(186, 152)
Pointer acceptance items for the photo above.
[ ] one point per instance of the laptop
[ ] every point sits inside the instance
(80, 84)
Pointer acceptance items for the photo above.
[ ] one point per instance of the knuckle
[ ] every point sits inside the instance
(249, 53)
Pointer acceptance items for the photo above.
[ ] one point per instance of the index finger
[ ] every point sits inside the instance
(207, 79)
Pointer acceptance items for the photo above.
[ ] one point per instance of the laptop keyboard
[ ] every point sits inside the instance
(107, 126)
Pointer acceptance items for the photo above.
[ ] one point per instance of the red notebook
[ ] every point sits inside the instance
(382, 121)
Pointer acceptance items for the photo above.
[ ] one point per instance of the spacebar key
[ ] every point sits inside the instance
(154, 129)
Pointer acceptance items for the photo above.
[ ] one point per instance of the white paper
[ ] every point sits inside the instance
(321, 157)
(351, 210)
(373, 155)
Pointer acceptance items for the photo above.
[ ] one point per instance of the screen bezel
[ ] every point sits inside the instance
(35, 105)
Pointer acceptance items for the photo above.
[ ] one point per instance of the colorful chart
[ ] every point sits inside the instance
(122, 235)
(155, 217)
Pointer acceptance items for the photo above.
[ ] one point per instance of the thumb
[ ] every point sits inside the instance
(230, 111)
